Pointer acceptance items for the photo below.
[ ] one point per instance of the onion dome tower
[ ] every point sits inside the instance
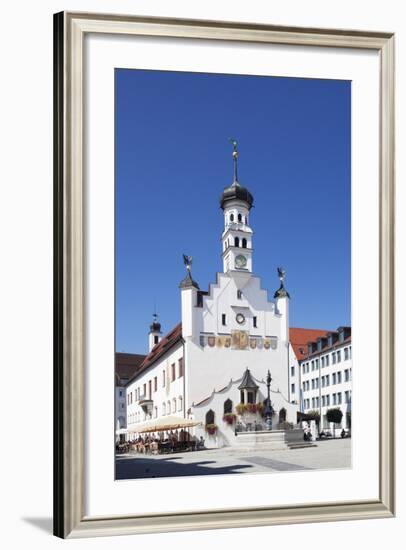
(236, 202)
(155, 333)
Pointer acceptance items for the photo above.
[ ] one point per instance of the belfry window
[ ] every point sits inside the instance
(239, 294)
(231, 217)
(223, 319)
(236, 241)
(244, 243)
(239, 217)
(254, 322)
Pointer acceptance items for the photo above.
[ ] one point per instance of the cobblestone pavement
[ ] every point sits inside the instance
(330, 454)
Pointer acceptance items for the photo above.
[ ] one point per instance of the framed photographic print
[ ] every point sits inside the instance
(224, 217)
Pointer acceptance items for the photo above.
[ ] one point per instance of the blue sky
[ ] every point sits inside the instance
(173, 159)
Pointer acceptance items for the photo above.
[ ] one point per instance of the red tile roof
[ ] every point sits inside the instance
(169, 340)
(126, 365)
(300, 337)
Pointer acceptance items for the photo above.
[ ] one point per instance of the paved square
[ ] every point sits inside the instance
(330, 454)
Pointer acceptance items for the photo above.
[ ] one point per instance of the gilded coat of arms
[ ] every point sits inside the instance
(239, 339)
(253, 343)
(211, 340)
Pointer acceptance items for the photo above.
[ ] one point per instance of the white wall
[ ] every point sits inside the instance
(26, 274)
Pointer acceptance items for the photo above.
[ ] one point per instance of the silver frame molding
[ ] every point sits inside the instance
(69, 338)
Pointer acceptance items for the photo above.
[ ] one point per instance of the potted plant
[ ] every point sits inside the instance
(211, 429)
(229, 418)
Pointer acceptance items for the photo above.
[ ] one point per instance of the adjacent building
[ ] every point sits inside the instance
(321, 373)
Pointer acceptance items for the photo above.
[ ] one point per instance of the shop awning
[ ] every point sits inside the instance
(163, 424)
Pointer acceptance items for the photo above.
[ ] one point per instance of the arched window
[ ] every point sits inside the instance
(155, 412)
(239, 217)
(228, 406)
(163, 409)
(168, 407)
(244, 243)
(231, 217)
(174, 405)
(282, 415)
(236, 241)
(210, 417)
(180, 402)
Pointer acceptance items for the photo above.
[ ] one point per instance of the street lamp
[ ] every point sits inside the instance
(268, 408)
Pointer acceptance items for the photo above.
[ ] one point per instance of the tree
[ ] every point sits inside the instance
(335, 416)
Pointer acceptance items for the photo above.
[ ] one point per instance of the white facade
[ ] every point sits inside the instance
(323, 379)
(225, 331)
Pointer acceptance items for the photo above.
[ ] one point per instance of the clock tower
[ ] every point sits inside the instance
(236, 202)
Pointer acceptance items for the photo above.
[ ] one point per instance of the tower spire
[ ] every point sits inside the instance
(235, 159)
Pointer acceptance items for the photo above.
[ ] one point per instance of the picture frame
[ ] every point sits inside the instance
(70, 519)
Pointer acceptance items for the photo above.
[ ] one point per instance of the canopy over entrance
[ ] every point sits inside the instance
(164, 424)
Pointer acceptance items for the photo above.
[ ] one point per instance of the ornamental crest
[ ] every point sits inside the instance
(274, 343)
(239, 339)
(219, 342)
(227, 342)
(211, 340)
(267, 343)
(253, 343)
(260, 343)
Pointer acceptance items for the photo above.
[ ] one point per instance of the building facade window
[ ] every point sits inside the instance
(223, 319)
(334, 378)
(163, 378)
(236, 241)
(345, 354)
(334, 357)
(339, 356)
(210, 417)
(239, 294)
(292, 388)
(292, 371)
(327, 360)
(180, 367)
(173, 373)
(254, 321)
(163, 409)
(156, 339)
(228, 406)
(180, 403)
(156, 383)
(339, 377)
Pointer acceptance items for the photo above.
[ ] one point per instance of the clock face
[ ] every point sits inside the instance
(240, 318)
(240, 261)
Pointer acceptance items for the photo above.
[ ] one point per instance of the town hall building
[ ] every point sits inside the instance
(212, 368)
(230, 350)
